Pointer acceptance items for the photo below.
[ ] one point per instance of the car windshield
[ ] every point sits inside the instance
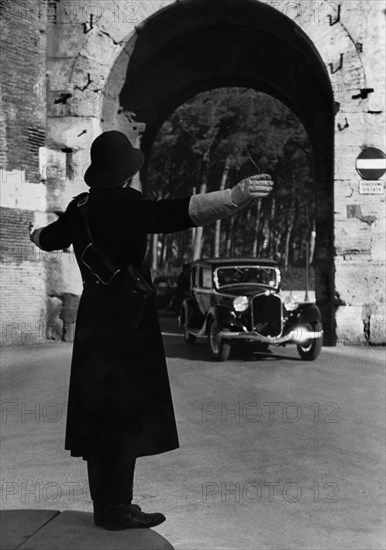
(246, 275)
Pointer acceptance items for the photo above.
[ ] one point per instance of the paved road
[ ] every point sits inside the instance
(275, 453)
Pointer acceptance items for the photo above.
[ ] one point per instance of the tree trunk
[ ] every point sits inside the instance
(163, 249)
(198, 233)
(290, 226)
(154, 251)
(266, 238)
(272, 232)
(169, 252)
(256, 237)
(218, 222)
(246, 246)
(312, 244)
(229, 237)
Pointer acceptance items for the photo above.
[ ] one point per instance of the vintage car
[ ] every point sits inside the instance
(238, 301)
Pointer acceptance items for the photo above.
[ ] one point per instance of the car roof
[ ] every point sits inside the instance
(235, 261)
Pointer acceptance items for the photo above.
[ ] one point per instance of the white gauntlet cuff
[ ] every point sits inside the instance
(206, 208)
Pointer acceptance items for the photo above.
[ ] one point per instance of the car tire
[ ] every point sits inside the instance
(189, 338)
(310, 349)
(219, 350)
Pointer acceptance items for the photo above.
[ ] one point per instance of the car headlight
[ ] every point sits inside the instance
(291, 303)
(241, 303)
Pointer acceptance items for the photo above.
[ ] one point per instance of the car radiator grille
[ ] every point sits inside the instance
(267, 314)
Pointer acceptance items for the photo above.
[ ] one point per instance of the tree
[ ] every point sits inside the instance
(215, 140)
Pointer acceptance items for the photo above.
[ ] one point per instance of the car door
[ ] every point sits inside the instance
(204, 291)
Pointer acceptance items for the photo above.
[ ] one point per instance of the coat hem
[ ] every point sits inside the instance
(85, 456)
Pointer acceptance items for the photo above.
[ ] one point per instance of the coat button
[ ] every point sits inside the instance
(97, 282)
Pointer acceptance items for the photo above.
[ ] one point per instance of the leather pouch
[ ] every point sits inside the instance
(100, 265)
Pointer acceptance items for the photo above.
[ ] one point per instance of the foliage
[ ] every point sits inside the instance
(254, 133)
(294, 278)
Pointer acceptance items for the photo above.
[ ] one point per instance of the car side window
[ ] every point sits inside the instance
(193, 275)
(199, 277)
(206, 277)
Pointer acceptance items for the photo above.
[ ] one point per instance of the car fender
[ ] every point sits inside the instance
(308, 313)
(224, 318)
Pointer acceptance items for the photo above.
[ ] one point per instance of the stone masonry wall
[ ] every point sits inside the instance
(360, 218)
(22, 131)
(85, 40)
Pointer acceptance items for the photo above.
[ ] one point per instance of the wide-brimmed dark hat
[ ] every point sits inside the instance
(113, 160)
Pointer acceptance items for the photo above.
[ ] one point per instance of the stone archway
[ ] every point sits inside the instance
(197, 45)
(111, 58)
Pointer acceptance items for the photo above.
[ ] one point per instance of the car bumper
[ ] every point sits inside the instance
(299, 336)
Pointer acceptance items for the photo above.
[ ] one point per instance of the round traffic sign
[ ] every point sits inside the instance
(371, 163)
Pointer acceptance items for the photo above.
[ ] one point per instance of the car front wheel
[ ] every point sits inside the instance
(219, 350)
(310, 349)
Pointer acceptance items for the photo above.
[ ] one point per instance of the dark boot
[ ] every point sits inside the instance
(99, 515)
(111, 483)
(95, 471)
(118, 518)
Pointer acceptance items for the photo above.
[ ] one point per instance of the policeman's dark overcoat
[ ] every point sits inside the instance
(119, 395)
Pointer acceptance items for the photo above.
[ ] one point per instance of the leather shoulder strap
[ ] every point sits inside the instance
(82, 205)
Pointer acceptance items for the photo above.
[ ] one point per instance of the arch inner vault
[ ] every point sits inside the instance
(195, 45)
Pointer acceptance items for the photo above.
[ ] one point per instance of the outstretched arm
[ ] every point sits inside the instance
(167, 216)
(205, 208)
(54, 236)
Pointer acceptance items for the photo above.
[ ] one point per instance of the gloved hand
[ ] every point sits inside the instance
(206, 208)
(254, 187)
(34, 234)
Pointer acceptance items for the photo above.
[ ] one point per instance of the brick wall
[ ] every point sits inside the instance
(22, 276)
(23, 126)
(23, 68)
